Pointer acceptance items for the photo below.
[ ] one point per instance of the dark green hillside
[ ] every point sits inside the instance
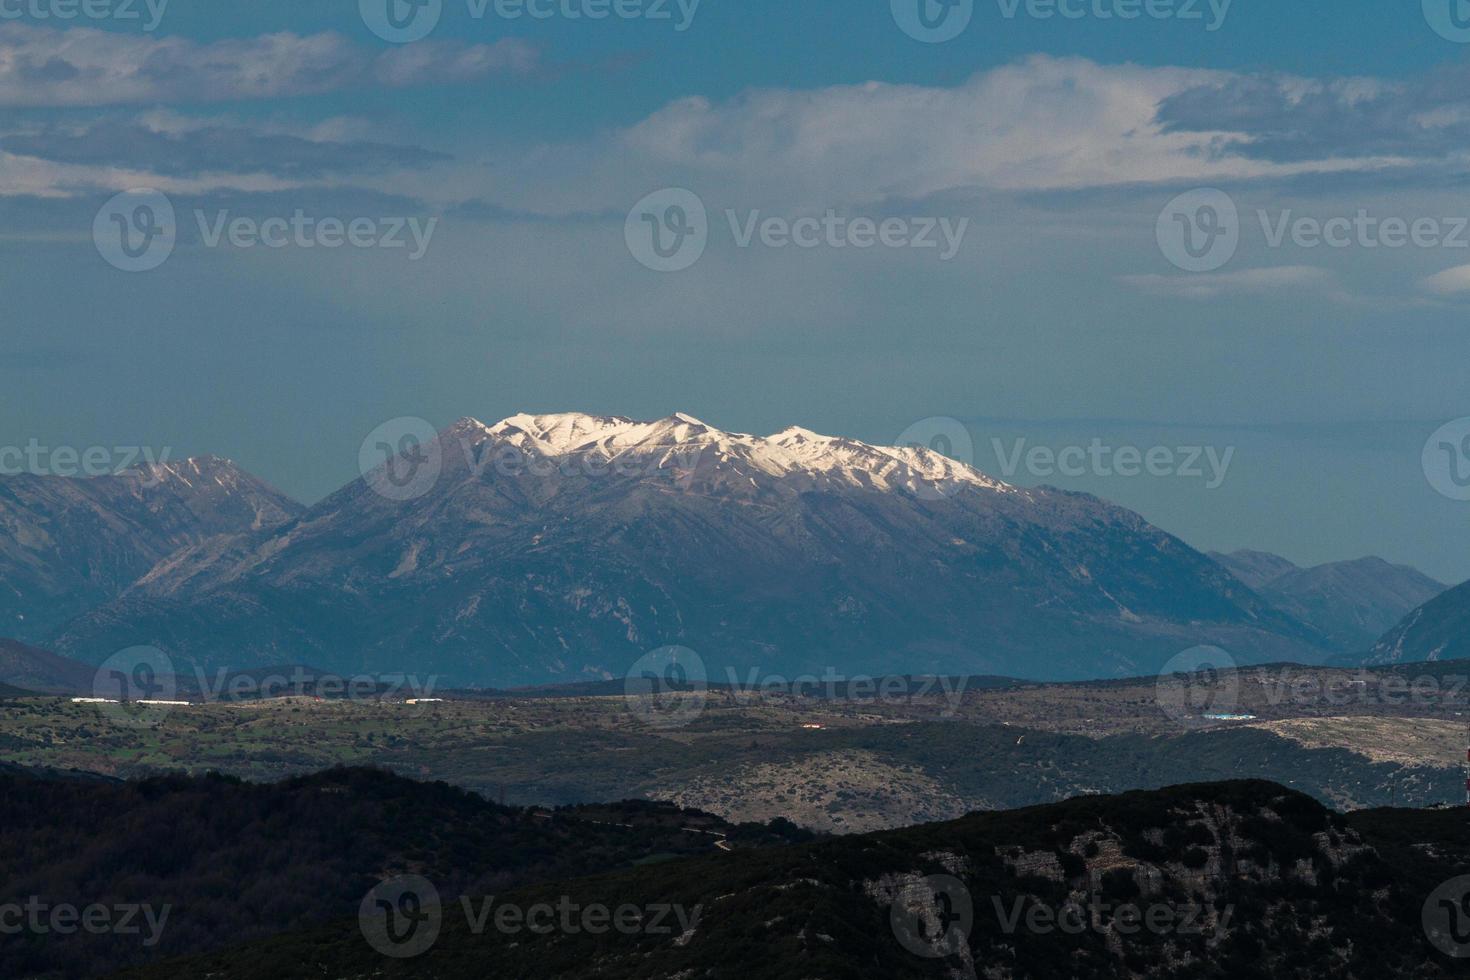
(1254, 880)
(236, 861)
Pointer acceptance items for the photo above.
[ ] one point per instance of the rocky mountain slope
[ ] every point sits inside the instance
(563, 547)
(1256, 569)
(1351, 603)
(69, 545)
(1437, 630)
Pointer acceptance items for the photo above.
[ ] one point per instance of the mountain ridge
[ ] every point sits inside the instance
(1269, 882)
(1351, 603)
(561, 547)
(71, 544)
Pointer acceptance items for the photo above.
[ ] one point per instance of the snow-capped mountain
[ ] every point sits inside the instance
(70, 544)
(562, 547)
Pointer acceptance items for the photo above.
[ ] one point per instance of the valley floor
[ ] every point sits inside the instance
(830, 764)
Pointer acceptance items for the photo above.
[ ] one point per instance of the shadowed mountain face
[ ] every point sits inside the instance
(1256, 569)
(222, 862)
(69, 545)
(1437, 630)
(564, 547)
(41, 671)
(1351, 603)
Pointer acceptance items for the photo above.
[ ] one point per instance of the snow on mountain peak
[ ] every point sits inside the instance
(792, 451)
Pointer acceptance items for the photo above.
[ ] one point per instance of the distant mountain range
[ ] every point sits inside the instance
(70, 545)
(1438, 630)
(560, 548)
(1351, 603)
(563, 547)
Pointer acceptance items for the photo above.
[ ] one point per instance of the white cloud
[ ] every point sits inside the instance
(1041, 124)
(87, 67)
(1450, 282)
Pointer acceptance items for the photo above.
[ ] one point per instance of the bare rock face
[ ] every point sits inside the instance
(70, 545)
(1437, 630)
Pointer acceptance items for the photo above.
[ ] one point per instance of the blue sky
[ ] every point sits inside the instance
(1060, 319)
